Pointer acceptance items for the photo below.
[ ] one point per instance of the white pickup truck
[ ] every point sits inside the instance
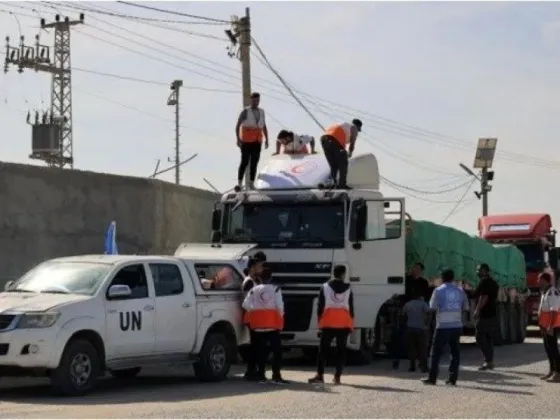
(75, 318)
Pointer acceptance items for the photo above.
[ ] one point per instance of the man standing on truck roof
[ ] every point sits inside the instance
(549, 323)
(249, 131)
(485, 313)
(294, 144)
(334, 142)
(253, 271)
(265, 309)
(335, 312)
(449, 301)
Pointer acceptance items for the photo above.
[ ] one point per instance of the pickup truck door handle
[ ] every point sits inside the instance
(148, 308)
(186, 305)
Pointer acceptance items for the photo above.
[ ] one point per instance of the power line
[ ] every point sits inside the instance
(459, 202)
(173, 12)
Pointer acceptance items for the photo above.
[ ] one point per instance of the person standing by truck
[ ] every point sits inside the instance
(249, 131)
(549, 324)
(265, 310)
(254, 270)
(335, 312)
(485, 313)
(416, 313)
(449, 301)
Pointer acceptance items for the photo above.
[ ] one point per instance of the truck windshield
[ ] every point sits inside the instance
(534, 255)
(292, 225)
(63, 277)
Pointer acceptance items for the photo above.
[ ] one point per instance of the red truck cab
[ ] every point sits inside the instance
(535, 237)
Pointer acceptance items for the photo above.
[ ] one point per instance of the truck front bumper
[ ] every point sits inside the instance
(311, 338)
(22, 350)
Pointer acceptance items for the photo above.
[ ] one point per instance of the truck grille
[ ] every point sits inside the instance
(5, 321)
(297, 312)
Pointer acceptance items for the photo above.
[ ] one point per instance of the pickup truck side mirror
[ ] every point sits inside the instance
(216, 219)
(8, 285)
(119, 291)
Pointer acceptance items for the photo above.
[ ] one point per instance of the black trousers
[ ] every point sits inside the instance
(251, 354)
(262, 340)
(250, 156)
(337, 157)
(485, 328)
(551, 348)
(327, 336)
(442, 338)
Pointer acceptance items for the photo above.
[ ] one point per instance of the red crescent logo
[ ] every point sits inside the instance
(337, 298)
(265, 297)
(303, 167)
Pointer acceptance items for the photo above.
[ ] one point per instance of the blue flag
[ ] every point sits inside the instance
(111, 239)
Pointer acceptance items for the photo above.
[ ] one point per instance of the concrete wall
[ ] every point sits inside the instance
(49, 212)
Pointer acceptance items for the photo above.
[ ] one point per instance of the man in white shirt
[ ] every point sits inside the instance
(293, 143)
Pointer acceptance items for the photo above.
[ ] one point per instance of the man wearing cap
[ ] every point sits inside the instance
(449, 301)
(334, 142)
(249, 131)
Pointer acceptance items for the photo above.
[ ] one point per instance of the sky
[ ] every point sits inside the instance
(426, 78)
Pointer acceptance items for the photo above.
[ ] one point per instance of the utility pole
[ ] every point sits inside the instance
(483, 160)
(52, 140)
(241, 30)
(173, 100)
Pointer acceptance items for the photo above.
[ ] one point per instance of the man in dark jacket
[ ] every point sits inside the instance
(485, 314)
(416, 284)
(335, 312)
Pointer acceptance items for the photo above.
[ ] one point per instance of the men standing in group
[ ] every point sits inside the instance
(265, 310)
(335, 313)
(334, 142)
(549, 323)
(485, 313)
(294, 144)
(254, 270)
(250, 131)
(416, 284)
(449, 301)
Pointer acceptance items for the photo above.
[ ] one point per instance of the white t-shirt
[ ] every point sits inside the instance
(298, 143)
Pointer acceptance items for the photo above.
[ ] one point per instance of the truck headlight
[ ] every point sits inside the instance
(38, 320)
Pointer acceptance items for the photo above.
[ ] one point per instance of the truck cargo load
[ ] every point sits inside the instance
(438, 247)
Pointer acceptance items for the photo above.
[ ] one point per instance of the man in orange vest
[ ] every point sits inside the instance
(294, 144)
(335, 312)
(549, 323)
(334, 142)
(265, 309)
(249, 132)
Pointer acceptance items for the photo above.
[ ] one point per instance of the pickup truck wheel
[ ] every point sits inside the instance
(78, 370)
(126, 373)
(214, 359)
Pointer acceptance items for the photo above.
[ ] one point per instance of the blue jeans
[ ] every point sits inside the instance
(442, 338)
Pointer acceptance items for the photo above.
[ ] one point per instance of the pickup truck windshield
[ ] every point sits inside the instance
(534, 256)
(285, 225)
(63, 277)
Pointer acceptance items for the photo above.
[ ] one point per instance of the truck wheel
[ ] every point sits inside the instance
(126, 373)
(513, 322)
(363, 356)
(214, 359)
(78, 370)
(521, 325)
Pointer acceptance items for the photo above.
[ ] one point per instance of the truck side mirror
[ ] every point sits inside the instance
(216, 219)
(553, 257)
(361, 222)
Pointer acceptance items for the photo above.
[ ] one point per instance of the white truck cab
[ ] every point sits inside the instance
(74, 318)
(305, 231)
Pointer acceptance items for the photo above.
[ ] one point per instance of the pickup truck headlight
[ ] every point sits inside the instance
(38, 320)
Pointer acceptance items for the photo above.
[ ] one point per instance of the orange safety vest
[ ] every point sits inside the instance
(263, 313)
(337, 309)
(340, 132)
(252, 129)
(549, 316)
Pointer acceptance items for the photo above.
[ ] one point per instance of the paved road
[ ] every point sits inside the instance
(513, 390)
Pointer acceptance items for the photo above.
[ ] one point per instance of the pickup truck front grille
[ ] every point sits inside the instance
(297, 312)
(5, 321)
(4, 347)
